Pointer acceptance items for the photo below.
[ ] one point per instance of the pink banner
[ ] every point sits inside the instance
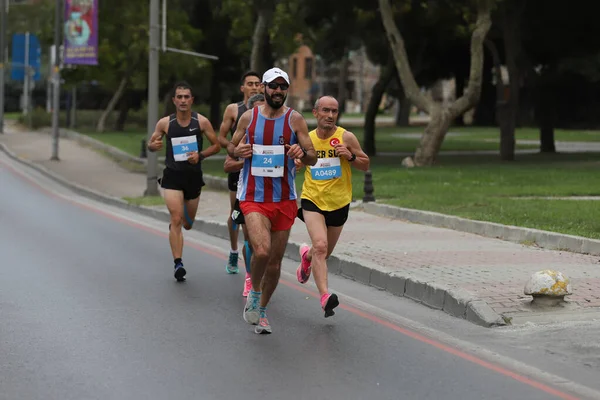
(81, 32)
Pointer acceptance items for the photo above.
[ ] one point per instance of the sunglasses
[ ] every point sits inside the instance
(275, 85)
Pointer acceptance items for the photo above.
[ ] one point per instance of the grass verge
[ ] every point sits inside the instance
(479, 187)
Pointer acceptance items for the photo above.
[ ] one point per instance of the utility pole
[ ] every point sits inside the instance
(152, 160)
(26, 82)
(3, 12)
(154, 47)
(56, 80)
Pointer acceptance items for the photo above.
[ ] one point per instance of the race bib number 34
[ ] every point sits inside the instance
(267, 161)
(182, 146)
(326, 168)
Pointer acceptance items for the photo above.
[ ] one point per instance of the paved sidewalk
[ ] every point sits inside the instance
(466, 275)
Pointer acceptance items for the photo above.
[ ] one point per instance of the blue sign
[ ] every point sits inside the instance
(19, 44)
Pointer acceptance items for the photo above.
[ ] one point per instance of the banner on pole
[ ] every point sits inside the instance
(81, 32)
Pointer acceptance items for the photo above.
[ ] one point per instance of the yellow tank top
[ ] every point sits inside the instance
(328, 183)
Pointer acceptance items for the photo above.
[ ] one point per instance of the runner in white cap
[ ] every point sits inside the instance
(269, 138)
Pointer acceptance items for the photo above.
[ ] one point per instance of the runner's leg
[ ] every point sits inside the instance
(232, 263)
(191, 209)
(247, 251)
(174, 202)
(259, 228)
(315, 224)
(279, 240)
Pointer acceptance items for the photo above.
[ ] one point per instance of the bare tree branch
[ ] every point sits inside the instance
(472, 93)
(401, 58)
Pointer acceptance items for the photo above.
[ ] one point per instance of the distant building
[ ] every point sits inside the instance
(312, 79)
(301, 68)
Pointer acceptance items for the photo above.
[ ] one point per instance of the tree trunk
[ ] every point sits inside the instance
(485, 111)
(123, 111)
(546, 113)
(401, 59)
(507, 120)
(68, 107)
(215, 98)
(403, 112)
(547, 137)
(100, 127)
(267, 57)
(433, 137)
(526, 113)
(258, 39)
(168, 106)
(459, 80)
(342, 85)
(440, 119)
(503, 111)
(512, 48)
(386, 75)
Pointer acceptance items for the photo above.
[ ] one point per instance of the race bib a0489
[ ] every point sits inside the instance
(326, 168)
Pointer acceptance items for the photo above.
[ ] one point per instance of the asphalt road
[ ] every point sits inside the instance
(89, 309)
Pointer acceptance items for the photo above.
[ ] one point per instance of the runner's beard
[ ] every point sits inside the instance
(272, 104)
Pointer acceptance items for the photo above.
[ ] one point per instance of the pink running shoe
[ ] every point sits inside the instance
(328, 303)
(247, 285)
(303, 271)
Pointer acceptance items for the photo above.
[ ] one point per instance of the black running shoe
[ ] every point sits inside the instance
(179, 272)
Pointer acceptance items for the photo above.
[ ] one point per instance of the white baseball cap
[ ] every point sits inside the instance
(273, 74)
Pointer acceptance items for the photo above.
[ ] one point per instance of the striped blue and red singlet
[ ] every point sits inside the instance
(269, 132)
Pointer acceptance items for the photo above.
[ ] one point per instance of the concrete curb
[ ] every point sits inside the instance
(543, 239)
(458, 303)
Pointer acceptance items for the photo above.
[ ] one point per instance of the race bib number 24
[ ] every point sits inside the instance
(267, 161)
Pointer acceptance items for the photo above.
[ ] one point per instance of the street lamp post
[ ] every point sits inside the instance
(152, 167)
(3, 12)
(56, 81)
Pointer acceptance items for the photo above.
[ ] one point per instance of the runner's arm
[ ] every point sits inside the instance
(160, 130)
(232, 165)
(239, 133)
(228, 119)
(207, 130)
(299, 126)
(362, 160)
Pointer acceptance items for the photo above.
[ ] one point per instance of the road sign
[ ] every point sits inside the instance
(19, 59)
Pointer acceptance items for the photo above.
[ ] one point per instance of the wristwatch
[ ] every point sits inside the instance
(304, 151)
(352, 158)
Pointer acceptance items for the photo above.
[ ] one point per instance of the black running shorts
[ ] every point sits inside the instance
(332, 218)
(232, 181)
(189, 182)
